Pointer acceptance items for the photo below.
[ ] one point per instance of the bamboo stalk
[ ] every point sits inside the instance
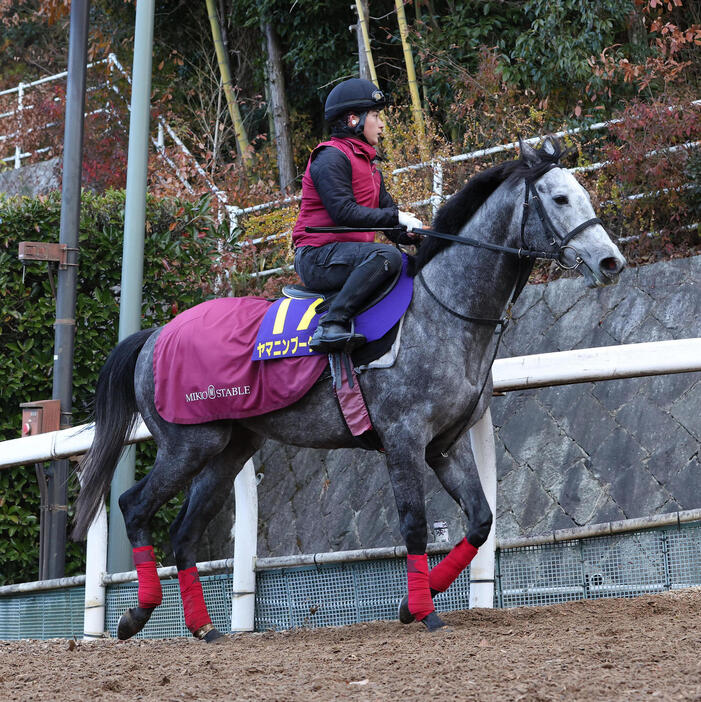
(366, 38)
(223, 60)
(411, 73)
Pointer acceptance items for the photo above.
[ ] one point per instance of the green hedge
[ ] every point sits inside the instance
(180, 244)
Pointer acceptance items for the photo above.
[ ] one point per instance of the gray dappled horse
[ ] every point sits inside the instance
(421, 407)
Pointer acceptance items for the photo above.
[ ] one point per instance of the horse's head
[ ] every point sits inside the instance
(560, 216)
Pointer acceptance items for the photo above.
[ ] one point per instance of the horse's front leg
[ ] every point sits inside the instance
(457, 475)
(405, 463)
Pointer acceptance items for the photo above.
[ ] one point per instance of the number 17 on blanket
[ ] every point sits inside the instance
(286, 329)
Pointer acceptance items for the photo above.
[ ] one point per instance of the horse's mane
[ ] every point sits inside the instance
(460, 208)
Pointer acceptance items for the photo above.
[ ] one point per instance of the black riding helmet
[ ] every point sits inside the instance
(354, 95)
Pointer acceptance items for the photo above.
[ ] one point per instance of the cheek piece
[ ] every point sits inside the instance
(150, 593)
(420, 602)
(443, 575)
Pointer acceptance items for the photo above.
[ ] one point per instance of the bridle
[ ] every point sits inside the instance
(559, 240)
(523, 252)
(562, 242)
(531, 200)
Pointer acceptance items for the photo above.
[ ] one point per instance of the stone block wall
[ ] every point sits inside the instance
(567, 456)
(33, 179)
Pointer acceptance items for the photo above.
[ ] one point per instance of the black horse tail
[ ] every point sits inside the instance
(115, 414)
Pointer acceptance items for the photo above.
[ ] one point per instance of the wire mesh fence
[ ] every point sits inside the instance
(619, 565)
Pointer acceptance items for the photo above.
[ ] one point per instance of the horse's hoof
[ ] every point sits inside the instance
(209, 634)
(133, 621)
(405, 616)
(433, 622)
(214, 636)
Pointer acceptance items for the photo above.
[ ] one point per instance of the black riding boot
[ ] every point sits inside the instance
(335, 332)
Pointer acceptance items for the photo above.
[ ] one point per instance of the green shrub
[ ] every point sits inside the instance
(180, 244)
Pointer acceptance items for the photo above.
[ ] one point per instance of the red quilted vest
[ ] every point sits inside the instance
(366, 189)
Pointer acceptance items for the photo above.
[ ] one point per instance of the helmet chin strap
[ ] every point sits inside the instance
(360, 127)
(343, 128)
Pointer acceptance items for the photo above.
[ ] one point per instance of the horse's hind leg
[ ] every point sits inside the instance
(206, 496)
(455, 473)
(182, 453)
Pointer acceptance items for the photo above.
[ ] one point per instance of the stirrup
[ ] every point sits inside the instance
(323, 342)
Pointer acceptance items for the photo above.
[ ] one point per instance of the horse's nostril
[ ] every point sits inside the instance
(611, 265)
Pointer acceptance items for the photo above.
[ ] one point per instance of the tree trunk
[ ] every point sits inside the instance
(361, 7)
(225, 71)
(278, 106)
(363, 65)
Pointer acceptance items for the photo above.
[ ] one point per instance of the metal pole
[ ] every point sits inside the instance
(64, 329)
(18, 146)
(119, 551)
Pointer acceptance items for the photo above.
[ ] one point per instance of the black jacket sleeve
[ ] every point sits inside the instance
(332, 175)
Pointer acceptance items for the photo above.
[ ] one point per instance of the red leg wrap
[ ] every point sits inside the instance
(420, 602)
(150, 593)
(196, 615)
(443, 575)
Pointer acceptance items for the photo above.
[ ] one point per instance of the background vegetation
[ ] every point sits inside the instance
(179, 249)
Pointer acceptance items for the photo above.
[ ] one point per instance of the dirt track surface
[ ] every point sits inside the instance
(595, 650)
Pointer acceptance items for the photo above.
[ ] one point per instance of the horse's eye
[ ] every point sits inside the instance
(561, 199)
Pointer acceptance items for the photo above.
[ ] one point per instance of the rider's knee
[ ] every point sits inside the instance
(393, 258)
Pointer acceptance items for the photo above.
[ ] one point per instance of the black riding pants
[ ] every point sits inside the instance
(356, 269)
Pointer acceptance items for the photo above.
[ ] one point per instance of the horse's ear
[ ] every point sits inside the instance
(550, 147)
(528, 153)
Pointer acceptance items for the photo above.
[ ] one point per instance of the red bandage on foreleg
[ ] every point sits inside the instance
(420, 602)
(443, 575)
(196, 615)
(150, 593)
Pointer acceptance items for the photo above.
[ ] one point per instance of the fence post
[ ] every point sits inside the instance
(437, 194)
(95, 567)
(18, 146)
(243, 596)
(482, 567)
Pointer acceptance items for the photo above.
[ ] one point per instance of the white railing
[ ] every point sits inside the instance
(578, 366)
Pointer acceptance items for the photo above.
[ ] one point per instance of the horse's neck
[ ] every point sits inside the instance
(479, 281)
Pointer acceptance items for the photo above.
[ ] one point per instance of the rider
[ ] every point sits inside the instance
(343, 187)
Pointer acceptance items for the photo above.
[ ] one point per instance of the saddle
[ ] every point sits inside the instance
(378, 321)
(291, 320)
(299, 292)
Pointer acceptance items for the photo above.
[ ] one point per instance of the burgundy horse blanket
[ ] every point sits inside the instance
(232, 357)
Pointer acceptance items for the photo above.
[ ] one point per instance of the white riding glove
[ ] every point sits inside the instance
(410, 221)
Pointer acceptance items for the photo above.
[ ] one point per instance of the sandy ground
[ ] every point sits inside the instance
(647, 647)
